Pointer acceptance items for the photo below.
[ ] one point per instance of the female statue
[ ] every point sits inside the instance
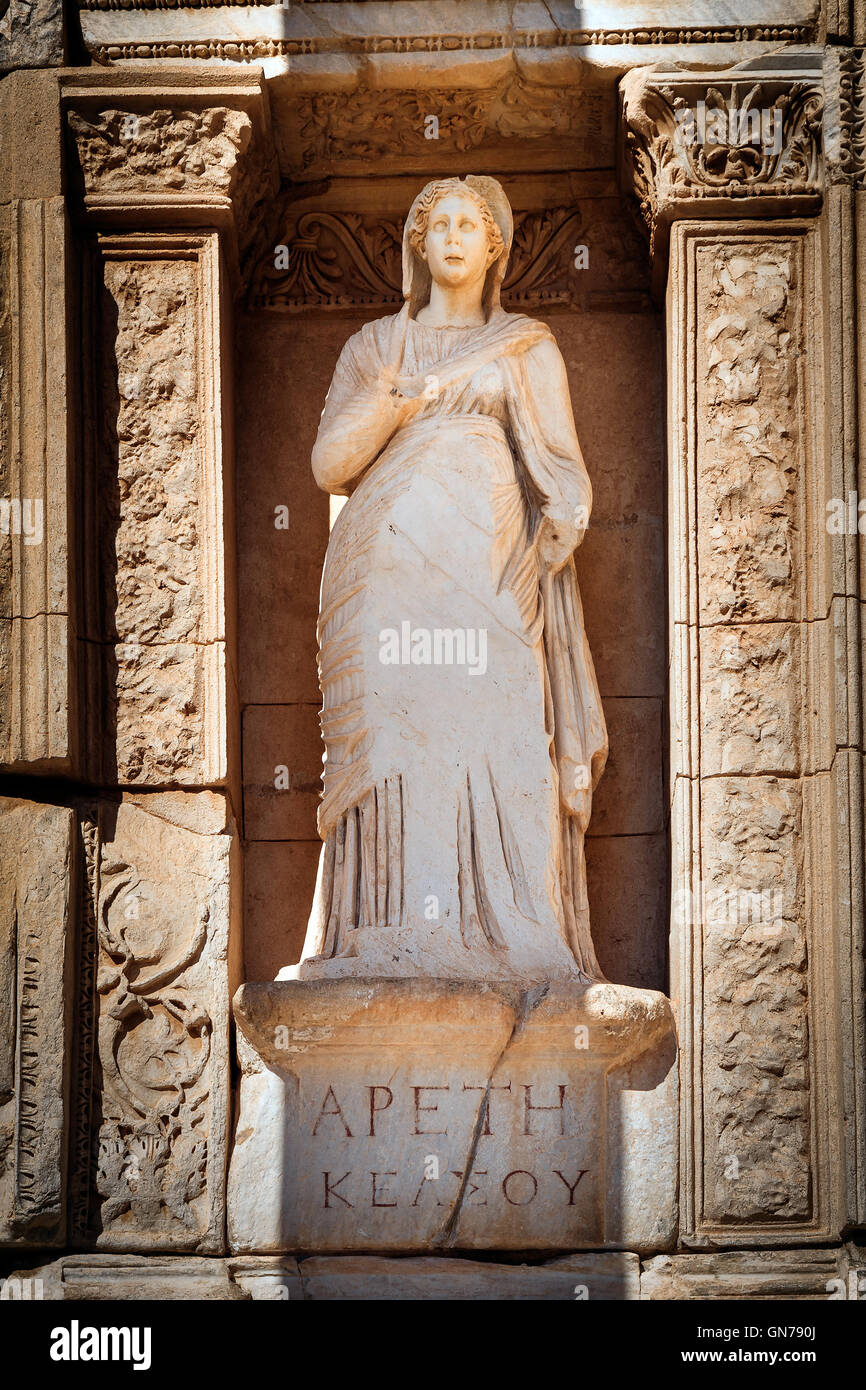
(463, 728)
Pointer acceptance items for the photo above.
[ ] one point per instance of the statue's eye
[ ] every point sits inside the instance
(467, 226)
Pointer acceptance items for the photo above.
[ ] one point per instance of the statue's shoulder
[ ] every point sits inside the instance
(376, 337)
(518, 324)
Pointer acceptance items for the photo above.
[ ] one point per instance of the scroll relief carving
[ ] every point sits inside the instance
(338, 260)
(150, 1106)
(154, 1048)
(736, 140)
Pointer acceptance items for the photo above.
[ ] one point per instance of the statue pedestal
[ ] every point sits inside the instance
(407, 1115)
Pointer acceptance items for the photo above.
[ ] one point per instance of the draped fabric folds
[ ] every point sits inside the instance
(465, 494)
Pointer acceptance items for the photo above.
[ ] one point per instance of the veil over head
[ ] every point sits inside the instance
(416, 272)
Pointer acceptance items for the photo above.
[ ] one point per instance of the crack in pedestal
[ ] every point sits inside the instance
(529, 1001)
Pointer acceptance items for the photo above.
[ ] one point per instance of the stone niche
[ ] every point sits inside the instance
(344, 253)
(598, 1169)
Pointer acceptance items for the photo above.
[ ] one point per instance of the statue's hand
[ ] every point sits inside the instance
(407, 395)
(556, 541)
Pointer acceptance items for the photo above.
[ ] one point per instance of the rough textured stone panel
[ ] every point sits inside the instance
(755, 1013)
(749, 346)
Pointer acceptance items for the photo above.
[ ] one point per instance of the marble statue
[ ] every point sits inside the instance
(463, 728)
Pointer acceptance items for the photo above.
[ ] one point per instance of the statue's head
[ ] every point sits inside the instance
(458, 232)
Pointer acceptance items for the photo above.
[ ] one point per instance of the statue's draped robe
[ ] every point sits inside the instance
(455, 802)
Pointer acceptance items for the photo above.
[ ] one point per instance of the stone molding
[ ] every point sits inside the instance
(37, 971)
(838, 1274)
(120, 30)
(845, 116)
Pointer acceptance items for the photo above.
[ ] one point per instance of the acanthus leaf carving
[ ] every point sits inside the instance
(348, 260)
(121, 150)
(687, 141)
(845, 116)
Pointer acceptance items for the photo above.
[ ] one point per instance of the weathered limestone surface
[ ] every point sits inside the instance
(336, 47)
(155, 620)
(429, 1115)
(38, 705)
(170, 175)
(600, 1277)
(762, 1274)
(37, 971)
(837, 1275)
(152, 1107)
(32, 34)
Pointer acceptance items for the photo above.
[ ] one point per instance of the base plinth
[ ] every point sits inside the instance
(410, 1115)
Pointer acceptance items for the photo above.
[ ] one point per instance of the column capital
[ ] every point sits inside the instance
(156, 146)
(744, 142)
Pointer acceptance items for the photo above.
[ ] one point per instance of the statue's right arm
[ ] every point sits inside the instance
(359, 418)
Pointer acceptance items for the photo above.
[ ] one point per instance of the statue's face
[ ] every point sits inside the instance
(457, 247)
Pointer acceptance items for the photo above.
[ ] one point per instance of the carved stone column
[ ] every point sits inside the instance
(165, 180)
(38, 708)
(729, 174)
(845, 253)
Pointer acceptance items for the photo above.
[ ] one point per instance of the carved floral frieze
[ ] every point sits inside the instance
(335, 126)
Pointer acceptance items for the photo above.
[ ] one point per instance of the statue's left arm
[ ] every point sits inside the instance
(551, 453)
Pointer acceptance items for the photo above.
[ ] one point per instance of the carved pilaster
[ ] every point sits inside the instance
(37, 684)
(724, 166)
(150, 1130)
(159, 148)
(160, 938)
(154, 608)
(845, 251)
(157, 491)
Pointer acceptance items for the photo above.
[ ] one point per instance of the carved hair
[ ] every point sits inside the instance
(432, 195)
